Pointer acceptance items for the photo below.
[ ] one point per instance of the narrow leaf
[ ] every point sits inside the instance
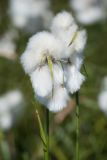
(50, 65)
(42, 133)
(74, 37)
(85, 70)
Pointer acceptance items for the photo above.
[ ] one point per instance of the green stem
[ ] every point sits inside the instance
(46, 153)
(4, 147)
(85, 70)
(5, 150)
(46, 156)
(43, 136)
(77, 126)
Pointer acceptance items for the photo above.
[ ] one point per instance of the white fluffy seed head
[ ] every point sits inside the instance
(102, 101)
(102, 98)
(62, 21)
(39, 46)
(19, 12)
(7, 44)
(77, 60)
(6, 121)
(88, 11)
(58, 74)
(90, 16)
(74, 79)
(47, 43)
(80, 41)
(42, 81)
(50, 89)
(30, 60)
(59, 100)
(14, 98)
(5, 116)
(23, 10)
(3, 105)
(11, 105)
(79, 4)
(65, 28)
(10, 100)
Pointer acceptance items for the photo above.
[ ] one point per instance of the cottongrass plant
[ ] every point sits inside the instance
(7, 45)
(10, 106)
(102, 98)
(53, 61)
(89, 11)
(30, 15)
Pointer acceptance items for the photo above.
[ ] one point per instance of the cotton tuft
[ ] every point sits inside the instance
(30, 15)
(39, 46)
(74, 79)
(11, 105)
(7, 45)
(66, 29)
(53, 61)
(41, 81)
(59, 99)
(6, 121)
(102, 97)
(88, 12)
(63, 21)
(102, 101)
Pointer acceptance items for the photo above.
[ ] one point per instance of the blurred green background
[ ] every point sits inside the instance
(23, 139)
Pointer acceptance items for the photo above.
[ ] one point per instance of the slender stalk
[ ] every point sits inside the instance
(47, 134)
(77, 125)
(5, 150)
(85, 70)
(43, 137)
